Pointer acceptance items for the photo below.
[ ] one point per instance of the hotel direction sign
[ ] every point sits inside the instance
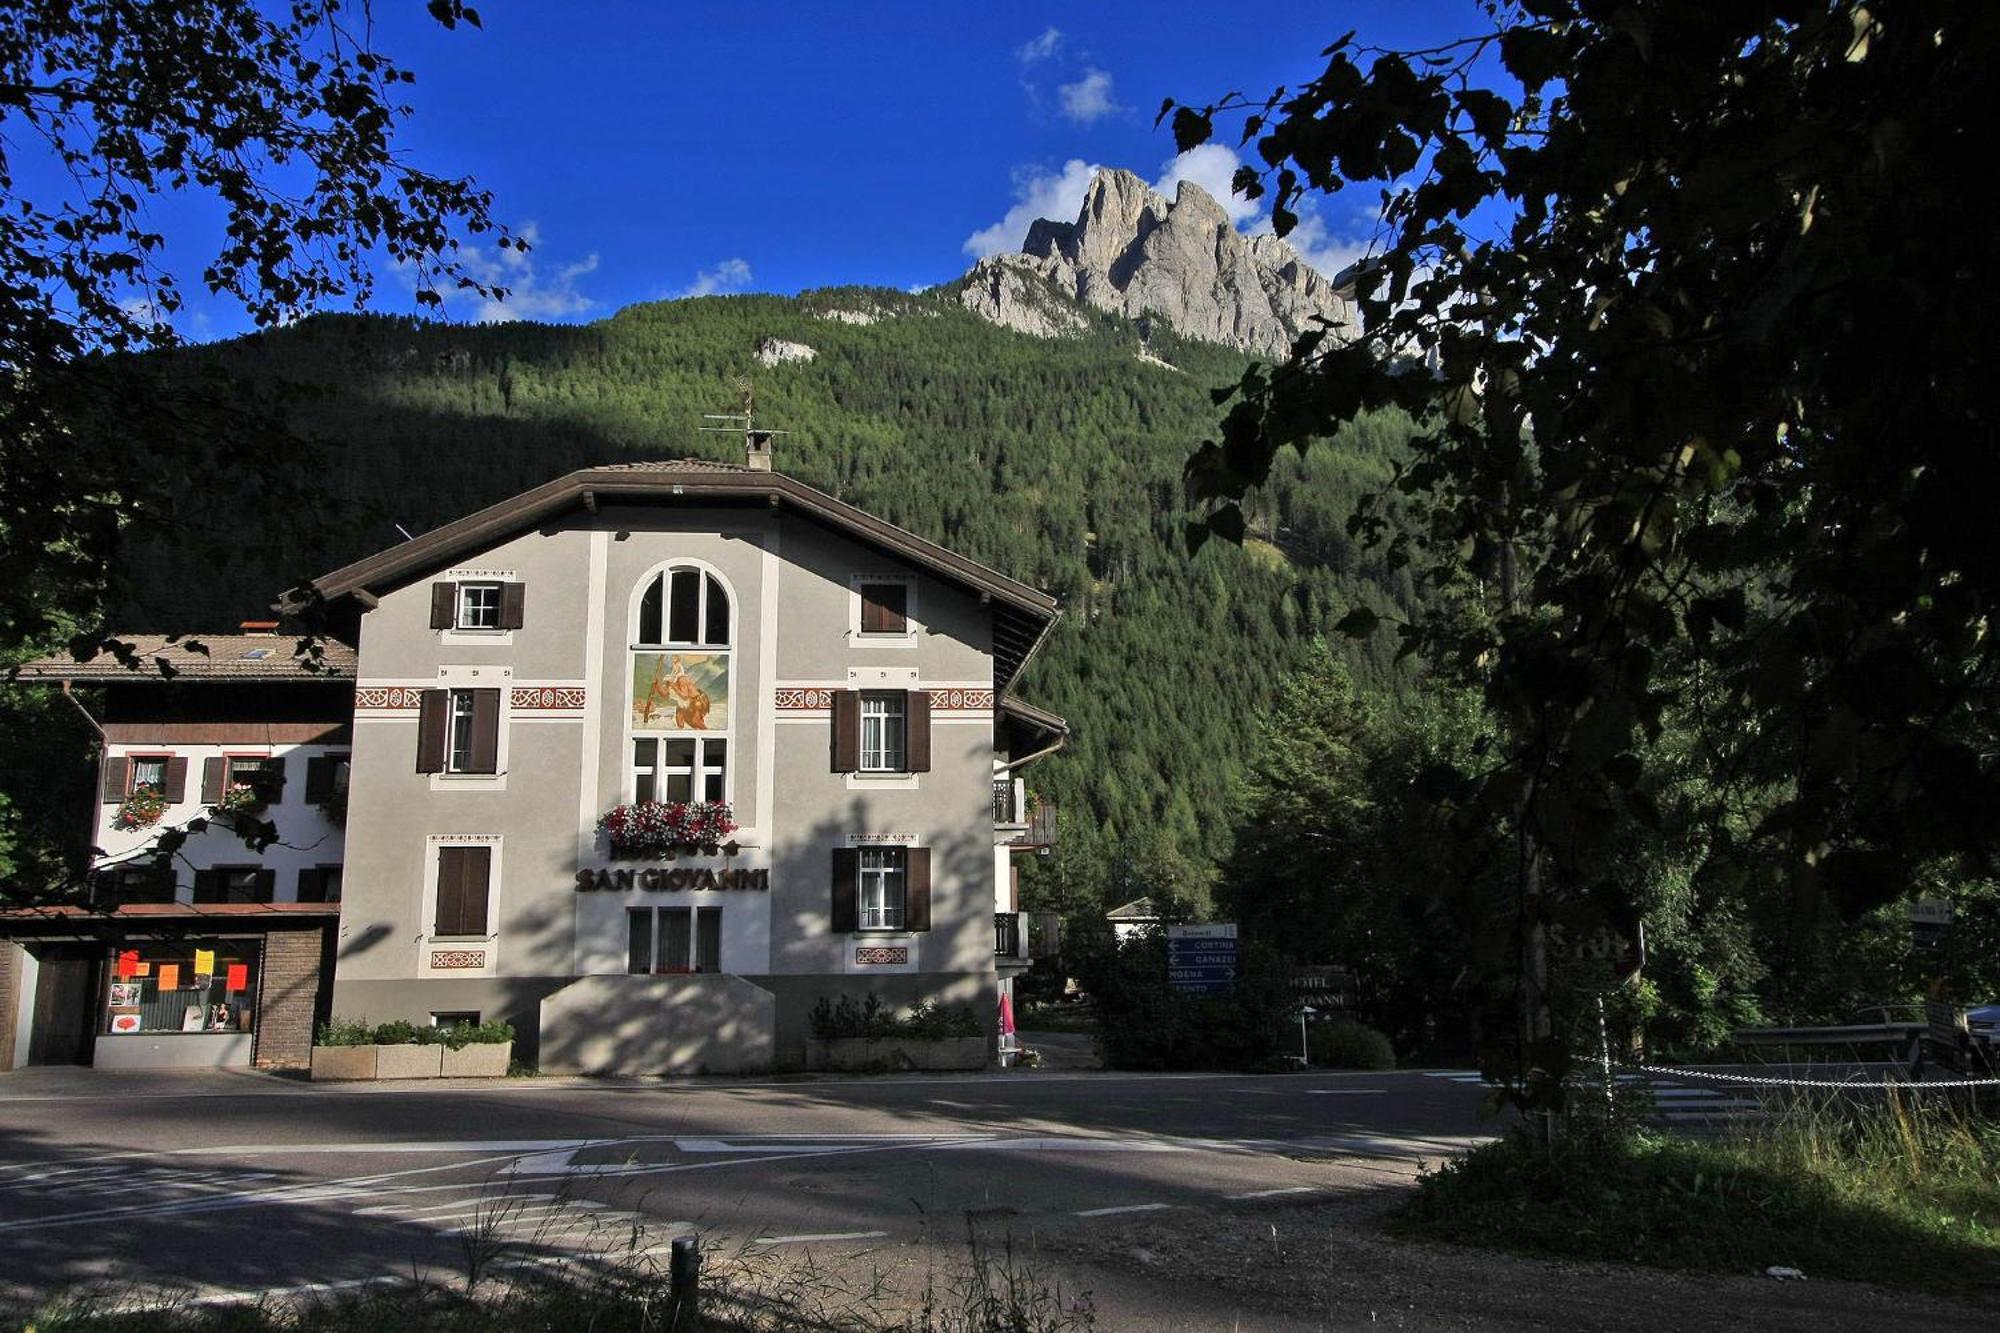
(1201, 959)
(675, 879)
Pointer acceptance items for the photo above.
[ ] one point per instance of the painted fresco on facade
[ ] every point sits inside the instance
(680, 691)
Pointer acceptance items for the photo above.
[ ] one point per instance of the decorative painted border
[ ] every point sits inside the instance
(388, 696)
(882, 956)
(455, 960)
(545, 698)
(819, 699)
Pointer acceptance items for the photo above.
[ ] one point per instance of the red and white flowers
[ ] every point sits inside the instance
(654, 827)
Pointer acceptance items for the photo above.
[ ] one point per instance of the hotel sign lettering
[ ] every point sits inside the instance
(679, 879)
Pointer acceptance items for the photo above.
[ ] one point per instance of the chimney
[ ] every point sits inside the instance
(757, 450)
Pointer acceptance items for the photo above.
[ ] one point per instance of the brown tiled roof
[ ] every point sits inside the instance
(1022, 615)
(158, 911)
(198, 657)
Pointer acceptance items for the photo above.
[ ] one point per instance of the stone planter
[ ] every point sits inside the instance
(343, 1063)
(409, 1061)
(483, 1059)
(867, 1054)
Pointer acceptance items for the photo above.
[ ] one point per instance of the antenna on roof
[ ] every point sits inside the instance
(756, 442)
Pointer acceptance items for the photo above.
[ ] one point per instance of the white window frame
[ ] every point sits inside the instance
(882, 887)
(888, 712)
(698, 772)
(482, 617)
(495, 900)
(907, 637)
(459, 710)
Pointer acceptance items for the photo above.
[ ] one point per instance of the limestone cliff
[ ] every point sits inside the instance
(1132, 252)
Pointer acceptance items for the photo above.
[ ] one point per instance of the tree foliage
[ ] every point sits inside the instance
(1690, 307)
(284, 119)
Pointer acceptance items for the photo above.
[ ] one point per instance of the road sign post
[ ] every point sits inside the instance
(1201, 960)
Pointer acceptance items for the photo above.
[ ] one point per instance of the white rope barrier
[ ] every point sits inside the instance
(1851, 1085)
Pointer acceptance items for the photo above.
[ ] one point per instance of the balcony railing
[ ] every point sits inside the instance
(1025, 935)
(1032, 820)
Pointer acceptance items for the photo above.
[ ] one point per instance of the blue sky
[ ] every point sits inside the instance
(660, 150)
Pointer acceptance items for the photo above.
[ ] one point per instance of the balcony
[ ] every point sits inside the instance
(1022, 937)
(1021, 820)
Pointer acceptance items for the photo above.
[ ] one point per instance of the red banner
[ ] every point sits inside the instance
(237, 977)
(128, 964)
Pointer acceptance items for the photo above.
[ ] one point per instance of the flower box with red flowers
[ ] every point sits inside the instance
(662, 828)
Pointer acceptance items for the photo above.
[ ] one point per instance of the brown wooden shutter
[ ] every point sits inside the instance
(444, 605)
(473, 894)
(1013, 886)
(450, 890)
(272, 778)
(846, 731)
(312, 884)
(513, 601)
(433, 717)
(319, 778)
(208, 886)
(267, 886)
(485, 732)
(177, 779)
(917, 732)
(117, 774)
(917, 901)
(213, 770)
(846, 902)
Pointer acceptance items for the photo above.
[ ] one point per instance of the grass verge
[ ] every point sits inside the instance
(1902, 1195)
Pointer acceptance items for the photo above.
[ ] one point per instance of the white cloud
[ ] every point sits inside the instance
(532, 292)
(1320, 247)
(728, 276)
(1089, 99)
(1211, 166)
(1040, 48)
(1057, 195)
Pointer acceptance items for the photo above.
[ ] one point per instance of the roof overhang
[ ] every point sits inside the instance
(1022, 615)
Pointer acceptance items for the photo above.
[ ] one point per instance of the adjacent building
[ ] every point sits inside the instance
(649, 761)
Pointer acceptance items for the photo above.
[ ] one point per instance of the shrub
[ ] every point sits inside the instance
(1342, 1043)
(870, 1019)
(345, 1032)
(396, 1032)
(1144, 1023)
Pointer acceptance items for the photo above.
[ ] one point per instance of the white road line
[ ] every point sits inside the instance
(496, 1202)
(1341, 1092)
(1272, 1194)
(1126, 1208)
(822, 1236)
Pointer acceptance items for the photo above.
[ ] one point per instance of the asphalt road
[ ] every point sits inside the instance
(221, 1184)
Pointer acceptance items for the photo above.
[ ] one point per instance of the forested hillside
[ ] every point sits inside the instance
(1055, 460)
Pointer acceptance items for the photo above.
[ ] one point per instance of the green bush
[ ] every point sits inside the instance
(1143, 1023)
(1342, 1043)
(395, 1032)
(870, 1019)
(344, 1032)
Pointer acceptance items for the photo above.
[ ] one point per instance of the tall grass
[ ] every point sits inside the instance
(1891, 1189)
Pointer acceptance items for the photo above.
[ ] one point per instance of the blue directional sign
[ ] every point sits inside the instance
(1201, 960)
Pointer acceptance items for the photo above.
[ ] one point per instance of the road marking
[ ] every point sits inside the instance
(1125, 1208)
(1272, 1194)
(457, 1205)
(821, 1236)
(1341, 1092)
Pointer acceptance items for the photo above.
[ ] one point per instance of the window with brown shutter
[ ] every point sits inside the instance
(117, 772)
(444, 605)
(846, 731)
(917, 735)
(846, 872)
(177, 780)
(462, 890)
(323, 781)
(484, 756)
(214, 770)
(513, 605)
(433, 717)
(885, 608)
(917, 900)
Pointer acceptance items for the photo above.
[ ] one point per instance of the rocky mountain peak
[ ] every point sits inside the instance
(1133, 252)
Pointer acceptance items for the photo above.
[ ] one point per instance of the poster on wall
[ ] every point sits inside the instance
(237, 978)
(680, 691)
(125, 994)
(170, 976)
(125, 1023)
(204, 962)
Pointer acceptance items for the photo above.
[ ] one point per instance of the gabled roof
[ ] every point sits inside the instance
(1022, 615)
(200, 657)
(1139, 909)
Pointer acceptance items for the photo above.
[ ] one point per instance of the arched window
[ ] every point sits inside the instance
(681, 679)
(683, 608)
